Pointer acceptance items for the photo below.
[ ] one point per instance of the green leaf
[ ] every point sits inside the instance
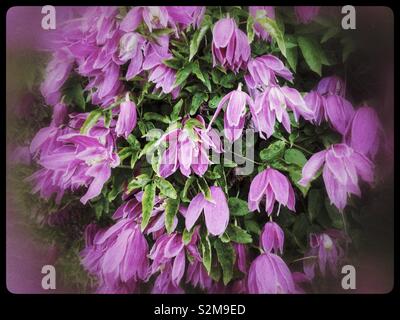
(183, 74)
(295, 175)
(171, 210)
(187, 236)
(176, 110)
(252, 226)
(206, 252)
(204, 188)
(147, 204)
(74, 94)
(250, 28)
(295, 156)
(237, 207)
(291, 52)
(226, 256)
(197, 100)
(237, 234)
(173, 63)
(91, 120)
(213, 103)
(273, 151)
(202, 76)
(124, 153)
(315, 202)
(330, 33)
(185, 189)
(311, 52)
(133, 142)
(224, 237)
(166, 188)
(138, 182)
(198, 36)
(157, 117)
(276, 33)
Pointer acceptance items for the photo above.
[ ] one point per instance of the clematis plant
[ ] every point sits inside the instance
(148, 125)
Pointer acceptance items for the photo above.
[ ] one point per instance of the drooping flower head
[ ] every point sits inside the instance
(275, 187)
(188, 148)
(235, 112)
(363, 132)
(262, 72)
(131, 48)
(272, 238)
(230, 46)
(273, 104)
(216, 211)
(341, 172)
(262, 11)
(332, 85)
(127, 118)
(269, 274)
(327, 252)
(306, 14)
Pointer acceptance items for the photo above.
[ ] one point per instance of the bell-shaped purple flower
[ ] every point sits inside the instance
(131, 48)
(332, 85)
(268, 273)
(273, 104)
(275, 187)
(188, 149)
(262, 71)
(272, 238)
(216, 211)
(306, 14)
(325, 248)
(316, 103)
(363, 132)
(235, 112)
(341, 172)
(338, 112)
(127, 118)
(262, 11)
(230, 46)
(155, 17)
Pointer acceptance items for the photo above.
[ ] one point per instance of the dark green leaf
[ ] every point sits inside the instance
(206, 252)
(295, 156)
(166, 188)
(275, 31)
(171, 210)
(237, 207)
(197, 100)
(91, 120)
(176, 110)
(147, 204)
(226, 257)
(198, 36)
(237, 234)
(273, 151)
(315, 202)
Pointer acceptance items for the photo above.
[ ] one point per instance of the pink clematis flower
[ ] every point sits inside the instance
(325, 248)
(332, 85)
(216, 211)
(363, 132)
(127, 118)
(268, 273)
(262, 71)
(235, 112)
(262, 11)
(155, 17)
(272, 105)
(339, 112)
(188, 148)
(230, 46)
(306, 14)
(272, 238)
(131, 48)
(341, 172)
(274, 186)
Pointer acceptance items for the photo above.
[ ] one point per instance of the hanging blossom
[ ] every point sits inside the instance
(131, 48)
(328, 103)
(324, 252)
(275, 187)
(341, 172)
(364, 132)
(306, 14)
(272, 238)
(235, 112)
(127, 117)
(216, 211)
(188, 148)
(262, 72)
(71, 160)
(260, 12)
(160, 17)
(230, 46)
(272, 105)
(268, 273)
(117, 256)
